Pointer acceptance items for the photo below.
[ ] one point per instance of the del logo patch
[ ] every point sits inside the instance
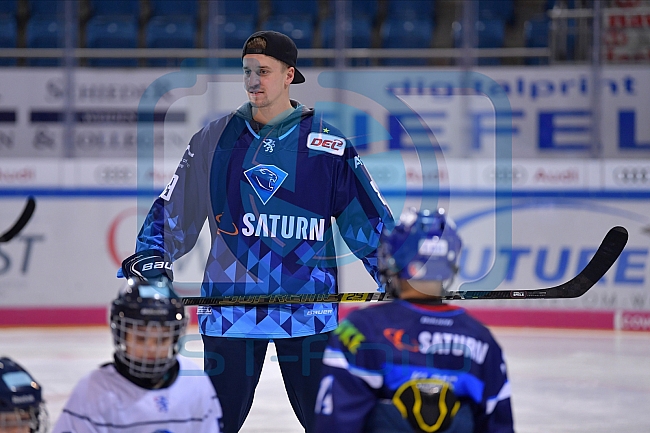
(265, 180)
(326, 143)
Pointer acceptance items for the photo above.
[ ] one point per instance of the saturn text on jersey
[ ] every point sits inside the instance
(286, 226)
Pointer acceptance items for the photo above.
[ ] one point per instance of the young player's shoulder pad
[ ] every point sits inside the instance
(367, 317)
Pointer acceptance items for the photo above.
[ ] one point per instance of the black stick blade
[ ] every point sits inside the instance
(22, 221)
(610, 248)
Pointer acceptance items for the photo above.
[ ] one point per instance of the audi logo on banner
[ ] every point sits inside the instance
(114, 174)
(632, 175)
(517, 174)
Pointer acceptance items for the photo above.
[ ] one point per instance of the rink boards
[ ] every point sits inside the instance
(61, 268)
(528, 191)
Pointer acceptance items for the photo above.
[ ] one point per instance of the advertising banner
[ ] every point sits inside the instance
(627, 32)
(551, 112)
(558, 204)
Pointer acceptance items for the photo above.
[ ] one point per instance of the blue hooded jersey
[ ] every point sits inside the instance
(376, 350)
(270, 194)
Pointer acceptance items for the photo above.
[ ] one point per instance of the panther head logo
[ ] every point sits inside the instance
(265, 178)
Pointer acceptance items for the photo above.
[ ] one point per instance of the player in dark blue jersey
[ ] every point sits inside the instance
(414, 364)
(270, 178)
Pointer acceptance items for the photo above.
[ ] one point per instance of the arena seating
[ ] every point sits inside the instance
(182, 24)
(169, 32)
(106, 31)
(298, 28)
(45, 31)
(406, 33)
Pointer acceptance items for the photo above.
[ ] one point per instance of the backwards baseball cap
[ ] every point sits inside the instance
(278, 46)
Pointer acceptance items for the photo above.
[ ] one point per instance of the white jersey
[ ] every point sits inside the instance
(104, 401)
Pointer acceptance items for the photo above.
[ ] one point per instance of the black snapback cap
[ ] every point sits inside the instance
(279, 47)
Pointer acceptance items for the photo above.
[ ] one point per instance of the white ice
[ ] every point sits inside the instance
(562, 380)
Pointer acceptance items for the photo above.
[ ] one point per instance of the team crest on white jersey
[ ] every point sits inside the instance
(162, 403)
(265, 180)
(326, 143)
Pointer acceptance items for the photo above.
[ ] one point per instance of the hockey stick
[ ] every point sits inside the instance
(605, 256)
(22, 221)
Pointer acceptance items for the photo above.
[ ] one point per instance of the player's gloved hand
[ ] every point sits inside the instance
(147, 265)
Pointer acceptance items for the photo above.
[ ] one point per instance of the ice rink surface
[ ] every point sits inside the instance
(562, 380)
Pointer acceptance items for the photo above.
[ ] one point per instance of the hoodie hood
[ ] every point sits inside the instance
(245, 111)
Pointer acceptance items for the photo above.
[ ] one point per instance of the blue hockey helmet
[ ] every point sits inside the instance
(147, 311)
(21, 399)
(423, 246)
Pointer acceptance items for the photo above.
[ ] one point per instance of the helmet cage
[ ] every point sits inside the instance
(34, 417)
(21, 403)
(143, 313)
(165, 334)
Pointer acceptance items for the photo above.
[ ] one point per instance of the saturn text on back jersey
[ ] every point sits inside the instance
(445, 343)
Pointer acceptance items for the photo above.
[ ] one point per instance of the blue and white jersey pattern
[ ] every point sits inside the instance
(104, 401)
(270, 195)
(377, 349)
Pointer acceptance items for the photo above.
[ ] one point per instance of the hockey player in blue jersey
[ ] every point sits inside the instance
(270, 178)
(147, 387)
(22, 409)
(414, 364)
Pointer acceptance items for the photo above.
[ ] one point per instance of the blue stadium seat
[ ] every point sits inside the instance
(503, 10)
(112, 32)
(239, 8)
(235, 30)
(46, 7)
(295, 8)
(569, 4)
(402, 33)
(232, 31)
(45, 32)
(301, 30)
(174, 8)
(237, 20)
(363, 8)
(8, 7)
(490, 34)
(169, 32)
(411, 9)
(358, 33)
(536, 31)
(115, 7)
(8, 37)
